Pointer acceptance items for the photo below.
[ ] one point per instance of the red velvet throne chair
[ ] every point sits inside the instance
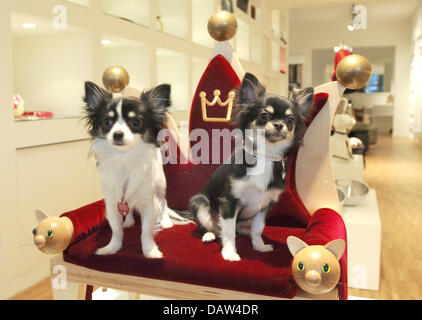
(308, 209)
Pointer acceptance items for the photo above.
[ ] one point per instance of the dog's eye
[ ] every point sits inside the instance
(264, 116)
(136, 123)
(108, 122)
(290, 120)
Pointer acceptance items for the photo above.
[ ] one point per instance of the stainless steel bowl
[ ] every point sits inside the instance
(341, 196)
(355, 191)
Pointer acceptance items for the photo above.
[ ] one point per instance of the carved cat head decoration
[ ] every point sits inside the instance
(316, 269)
(52, 235)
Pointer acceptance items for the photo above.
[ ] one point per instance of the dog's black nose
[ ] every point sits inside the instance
(278, 126)
(118, 136)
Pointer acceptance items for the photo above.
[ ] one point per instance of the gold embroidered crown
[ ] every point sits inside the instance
(228, 103)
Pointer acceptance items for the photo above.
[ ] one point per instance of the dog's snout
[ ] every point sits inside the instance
(278, 126)
(118, 136)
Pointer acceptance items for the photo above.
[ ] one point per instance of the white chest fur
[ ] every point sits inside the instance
(135, 174)
(252, 190)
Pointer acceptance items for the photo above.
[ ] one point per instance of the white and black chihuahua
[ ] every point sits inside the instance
(238, 196)
(128, 157)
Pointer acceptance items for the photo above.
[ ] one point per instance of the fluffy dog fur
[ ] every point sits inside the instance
(239, 196)
(128, 158)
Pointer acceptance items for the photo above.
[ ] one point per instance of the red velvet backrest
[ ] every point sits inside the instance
(186, 180)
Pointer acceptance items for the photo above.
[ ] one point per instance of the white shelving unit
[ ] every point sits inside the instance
(174, 16)
(137, 11)
(171, 68)
(173, 48)
(85, 3)
(131, 55)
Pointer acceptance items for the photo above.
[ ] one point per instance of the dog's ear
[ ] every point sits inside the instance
(250, 90)
(304, 99)
(159, 97)
(95, 96)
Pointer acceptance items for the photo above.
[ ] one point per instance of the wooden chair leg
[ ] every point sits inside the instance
(85, 291)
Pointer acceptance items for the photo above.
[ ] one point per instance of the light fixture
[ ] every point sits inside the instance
(29, 25)
(105, 42)
(350, 27)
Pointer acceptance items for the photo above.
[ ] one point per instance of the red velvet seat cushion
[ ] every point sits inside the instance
(188, 260)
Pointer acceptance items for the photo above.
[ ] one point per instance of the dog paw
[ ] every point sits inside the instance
(129, 222)
(264, 248)
(107, 250)
(154, 253)
(230, 255)
(166, 222)
(208, 237)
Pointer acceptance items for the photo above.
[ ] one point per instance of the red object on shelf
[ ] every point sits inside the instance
(38, 114)
(339, 56)
(283, 60)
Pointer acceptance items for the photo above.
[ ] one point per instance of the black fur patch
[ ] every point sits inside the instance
(149, 111)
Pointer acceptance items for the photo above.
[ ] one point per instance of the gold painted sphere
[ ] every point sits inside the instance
(222, 25)
(354, 71)
(115, 79)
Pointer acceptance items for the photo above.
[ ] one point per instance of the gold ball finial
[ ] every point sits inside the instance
(354, 71)
(222, 25)
(115, 79)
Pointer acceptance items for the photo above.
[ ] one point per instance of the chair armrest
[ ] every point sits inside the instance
(324, 226)
(86, 219)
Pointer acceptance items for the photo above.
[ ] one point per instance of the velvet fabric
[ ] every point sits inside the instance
(290, 210)
(219, 75)
(86, 219)
(324, 226)
(186, 258)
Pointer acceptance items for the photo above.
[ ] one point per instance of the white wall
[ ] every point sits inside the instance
(50, 70)
(171, 69)
(416, 83)
(135, 59)
(305, 37)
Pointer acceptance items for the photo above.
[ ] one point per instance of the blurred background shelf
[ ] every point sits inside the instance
(143, 36)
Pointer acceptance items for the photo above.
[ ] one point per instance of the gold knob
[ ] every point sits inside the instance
(222, 25)
(354, 71)
(115, 79)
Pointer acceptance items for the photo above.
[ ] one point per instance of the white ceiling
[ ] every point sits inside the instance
(342, 10)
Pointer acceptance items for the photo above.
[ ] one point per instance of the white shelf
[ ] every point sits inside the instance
(131, 55)
(52, 79)
(137, 11)
(275, 56)
(202, 10)
(256, 47)
(133, 46)
(85, 3)
(243, 40)
(174, 16)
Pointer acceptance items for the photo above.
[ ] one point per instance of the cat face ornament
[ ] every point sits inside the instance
(316, 269)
